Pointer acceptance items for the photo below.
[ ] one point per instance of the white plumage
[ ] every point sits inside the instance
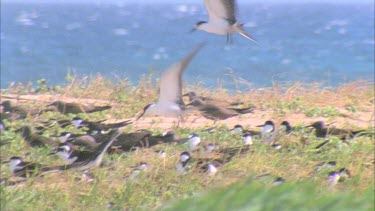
(170, 94)
(222, 19)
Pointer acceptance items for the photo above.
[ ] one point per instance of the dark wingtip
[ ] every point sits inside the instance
(139, 116)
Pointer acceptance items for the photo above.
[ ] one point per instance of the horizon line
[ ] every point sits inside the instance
(186, 2)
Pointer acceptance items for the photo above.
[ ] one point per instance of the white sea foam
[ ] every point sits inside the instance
(286, 61)
(251, 24)
(193, 10)
(369, 41)
(25, 19)
(338, 22)
(342, 31)
(120, 31)
(156, 56)
(182, 8)
(161, 53)
(186, 9)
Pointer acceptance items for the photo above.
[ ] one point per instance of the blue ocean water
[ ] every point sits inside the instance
(330, 43)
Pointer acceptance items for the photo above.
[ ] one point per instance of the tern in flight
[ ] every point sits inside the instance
(222, 19)
(170, 102)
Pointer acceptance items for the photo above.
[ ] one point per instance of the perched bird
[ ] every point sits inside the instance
(276, 146)
(87, 160)
(338, 176)
(268, 132)
(35, 140)
(267, 128)
(15, 112)
(240, 129)
(130, 141)
(170, 102)
(209, 148)
(214, 112)
(87, 141)
(285, 127)
(24, 169)
(183, 165)
(247, 139)
(161, 153)
(141, 139)
(137, 170)
(228, 153)
(278, 181)
(211, 169)
(64, 137)
(98, 126)
(152, 140)
(222, 19)
(208, 165)
(75, 108)
(321, 131)
(194, 141)
(69, 155)
(192, 95)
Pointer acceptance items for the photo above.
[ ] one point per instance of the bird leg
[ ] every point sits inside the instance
(229, 39)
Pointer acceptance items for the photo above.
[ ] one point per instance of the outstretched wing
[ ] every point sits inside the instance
(171, 80)
(221, 9)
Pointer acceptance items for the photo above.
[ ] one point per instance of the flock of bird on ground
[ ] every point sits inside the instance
(86, 151)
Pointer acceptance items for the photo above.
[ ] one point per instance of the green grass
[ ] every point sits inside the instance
(252, 195)
(236, 185)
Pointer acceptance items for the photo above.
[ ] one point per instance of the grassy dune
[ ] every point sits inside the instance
(236, 186)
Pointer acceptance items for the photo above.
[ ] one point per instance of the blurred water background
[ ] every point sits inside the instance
(330, 43)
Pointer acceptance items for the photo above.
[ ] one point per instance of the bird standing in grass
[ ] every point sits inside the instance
(285, 127)
(203, 165)
(194, 141)
(322, 131)
(87, 160)
(214, 112)
(76, 108)
(17, 112)
(25, 169)
(268, 132)
(97, 126)
(35, 140)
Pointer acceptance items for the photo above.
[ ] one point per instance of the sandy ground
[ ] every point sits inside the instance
(194, 120)
(361, 120)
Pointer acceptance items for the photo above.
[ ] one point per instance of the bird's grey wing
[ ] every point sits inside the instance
(221, 9)
(171, 79)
